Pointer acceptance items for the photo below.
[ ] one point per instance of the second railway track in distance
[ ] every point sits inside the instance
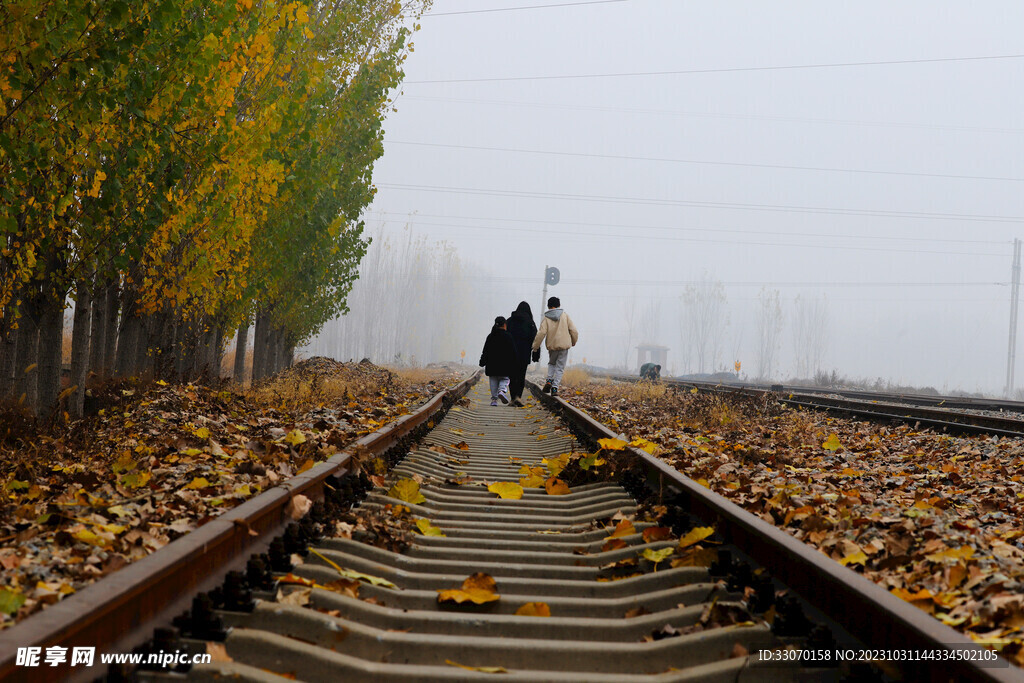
(943, 414)
(615, 615)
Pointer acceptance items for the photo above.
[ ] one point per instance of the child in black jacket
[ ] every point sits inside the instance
(498, 360)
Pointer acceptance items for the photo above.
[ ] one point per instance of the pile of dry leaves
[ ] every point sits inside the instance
(935, 519)
(160, 460)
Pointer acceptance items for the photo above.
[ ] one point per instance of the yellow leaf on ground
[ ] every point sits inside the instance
(135, 479)
(622, 529)
(696, 535)
(428, 529)
(534, 609)
(964, 552)
(612, 444)
(532, 482)
(904, 594)
(857, 557)
(832, 443)
(89, 537)
(295, 437)
(407, 490)
(462, 446)
(507, 490)
(481, 669)
(478, 589)
(657, 556)
(202, 433)
(198, 483)
(591, 460)
(556, 487)
(644, 445)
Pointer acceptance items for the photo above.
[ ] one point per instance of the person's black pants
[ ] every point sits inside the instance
(517, 380)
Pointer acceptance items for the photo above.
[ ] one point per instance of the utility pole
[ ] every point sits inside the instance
(544, 295)
(1011, 353)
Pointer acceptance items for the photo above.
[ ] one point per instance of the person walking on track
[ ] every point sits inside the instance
(499, 360)
(523, 329)
(559, 335)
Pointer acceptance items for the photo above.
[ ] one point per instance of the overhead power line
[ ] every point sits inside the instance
(714, 115)
(514, 9)
(625, 157)
(737, 231)
(736, 69)
(699, 240)
(786, 208)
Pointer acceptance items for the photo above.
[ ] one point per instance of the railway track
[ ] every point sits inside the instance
(943, 414)
(284, 615)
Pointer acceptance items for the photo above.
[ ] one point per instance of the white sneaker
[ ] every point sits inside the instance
(494, 403)
(503, 398)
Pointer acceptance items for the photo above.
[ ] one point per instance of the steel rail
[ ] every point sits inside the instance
(120, 611)
(866, 610)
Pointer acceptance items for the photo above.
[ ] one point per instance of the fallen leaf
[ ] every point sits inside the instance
(656, 533)
(198, 483)
(612, 444)
(10, 601)
(478, 589)
(507, 490)
(295, 437)
(556, 487)
(407, 490)
(695, 535)
(657, 556)
(623, 529)
(534, 609)
(832, 443)
(427, 529)
(482, 669)
(298, 506)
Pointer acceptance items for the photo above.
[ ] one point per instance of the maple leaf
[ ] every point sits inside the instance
(612, 444)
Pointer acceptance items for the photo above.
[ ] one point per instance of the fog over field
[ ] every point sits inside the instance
(801, 186)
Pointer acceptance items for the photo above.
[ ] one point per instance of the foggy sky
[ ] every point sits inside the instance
(908, 263)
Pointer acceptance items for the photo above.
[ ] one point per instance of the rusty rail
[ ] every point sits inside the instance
(120, 611)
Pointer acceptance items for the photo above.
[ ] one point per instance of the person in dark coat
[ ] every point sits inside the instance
(523, 329)
(498, 360)
(650, 371)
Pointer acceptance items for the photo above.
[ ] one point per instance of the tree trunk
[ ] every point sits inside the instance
(240, 342)
(259, 346)
(112, 306)
(8, 343)
(26, 359)
(80, 347)
(217, 352)
(98, 331)
(51, 337)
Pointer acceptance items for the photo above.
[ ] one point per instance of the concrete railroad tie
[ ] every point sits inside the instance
(532, 548)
